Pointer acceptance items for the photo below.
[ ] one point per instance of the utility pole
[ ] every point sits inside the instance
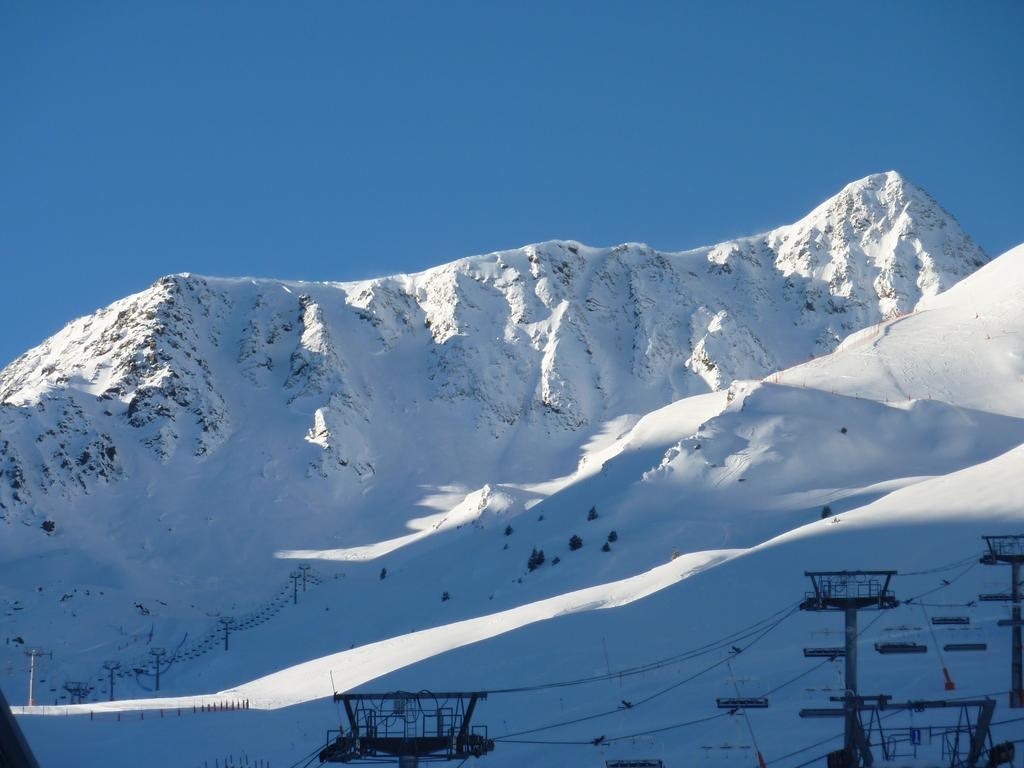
(156, 653)
(295, 576)
(225, 623)
(304, 567)
(1010, 549)
(111, 667)
(33, 654)
(850, 592)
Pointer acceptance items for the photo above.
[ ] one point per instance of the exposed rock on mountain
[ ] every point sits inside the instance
(522, 349)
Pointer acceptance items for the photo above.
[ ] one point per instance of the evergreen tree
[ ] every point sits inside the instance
(536, 559)
(575, 543)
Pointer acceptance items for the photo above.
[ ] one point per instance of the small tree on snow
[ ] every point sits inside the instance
(592, 514)
(508, 530)
(613, 537)
(826, 511)
(575, 543)
(536, 559)
(606, 547)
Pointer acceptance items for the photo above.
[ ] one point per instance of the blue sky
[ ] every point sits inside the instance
(338, 140)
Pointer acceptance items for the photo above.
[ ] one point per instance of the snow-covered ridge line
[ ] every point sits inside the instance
(528, 346)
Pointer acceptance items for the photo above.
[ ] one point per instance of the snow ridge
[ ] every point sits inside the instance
(522, 347)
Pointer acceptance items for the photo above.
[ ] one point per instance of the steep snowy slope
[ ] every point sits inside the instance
(963, 346)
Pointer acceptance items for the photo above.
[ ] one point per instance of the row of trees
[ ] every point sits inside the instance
(537, 558)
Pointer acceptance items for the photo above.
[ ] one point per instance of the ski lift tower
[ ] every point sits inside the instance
(1010, 549)
(850, 592)
(409, 727)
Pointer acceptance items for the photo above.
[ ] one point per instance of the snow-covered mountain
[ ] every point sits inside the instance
(520, 351)
(418, 438)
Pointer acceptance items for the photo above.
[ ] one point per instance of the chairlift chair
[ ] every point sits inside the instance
(827, 653)
(893, 648)
(965, 647)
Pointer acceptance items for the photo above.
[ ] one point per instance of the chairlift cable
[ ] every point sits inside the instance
(727, 640)
(654, 695)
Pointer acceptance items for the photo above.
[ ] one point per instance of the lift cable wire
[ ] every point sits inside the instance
(945, 583)
(941, 568)
(702, 650)
(664, 728)
(307, 758)
(656, 694)
(602, 740)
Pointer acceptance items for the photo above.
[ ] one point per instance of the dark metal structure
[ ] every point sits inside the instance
(850, 592)
(226, 622)
(14, 750)
(157, 654)
(824, 653)
(886, 648)
(976, 729)
(1010, 550)
(33, 654)
(411, 727)
(741, 703)
(77, 691)
(111, 667)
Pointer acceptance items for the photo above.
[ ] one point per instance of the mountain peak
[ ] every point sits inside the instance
(882, 240)
(886, 193)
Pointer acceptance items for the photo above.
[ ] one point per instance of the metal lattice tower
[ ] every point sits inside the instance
(77, 690)
(33, 654)
(410, 727)
(226, 622)
(156, 653)
(1010, 550)
(850, 592)
(111, 667)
